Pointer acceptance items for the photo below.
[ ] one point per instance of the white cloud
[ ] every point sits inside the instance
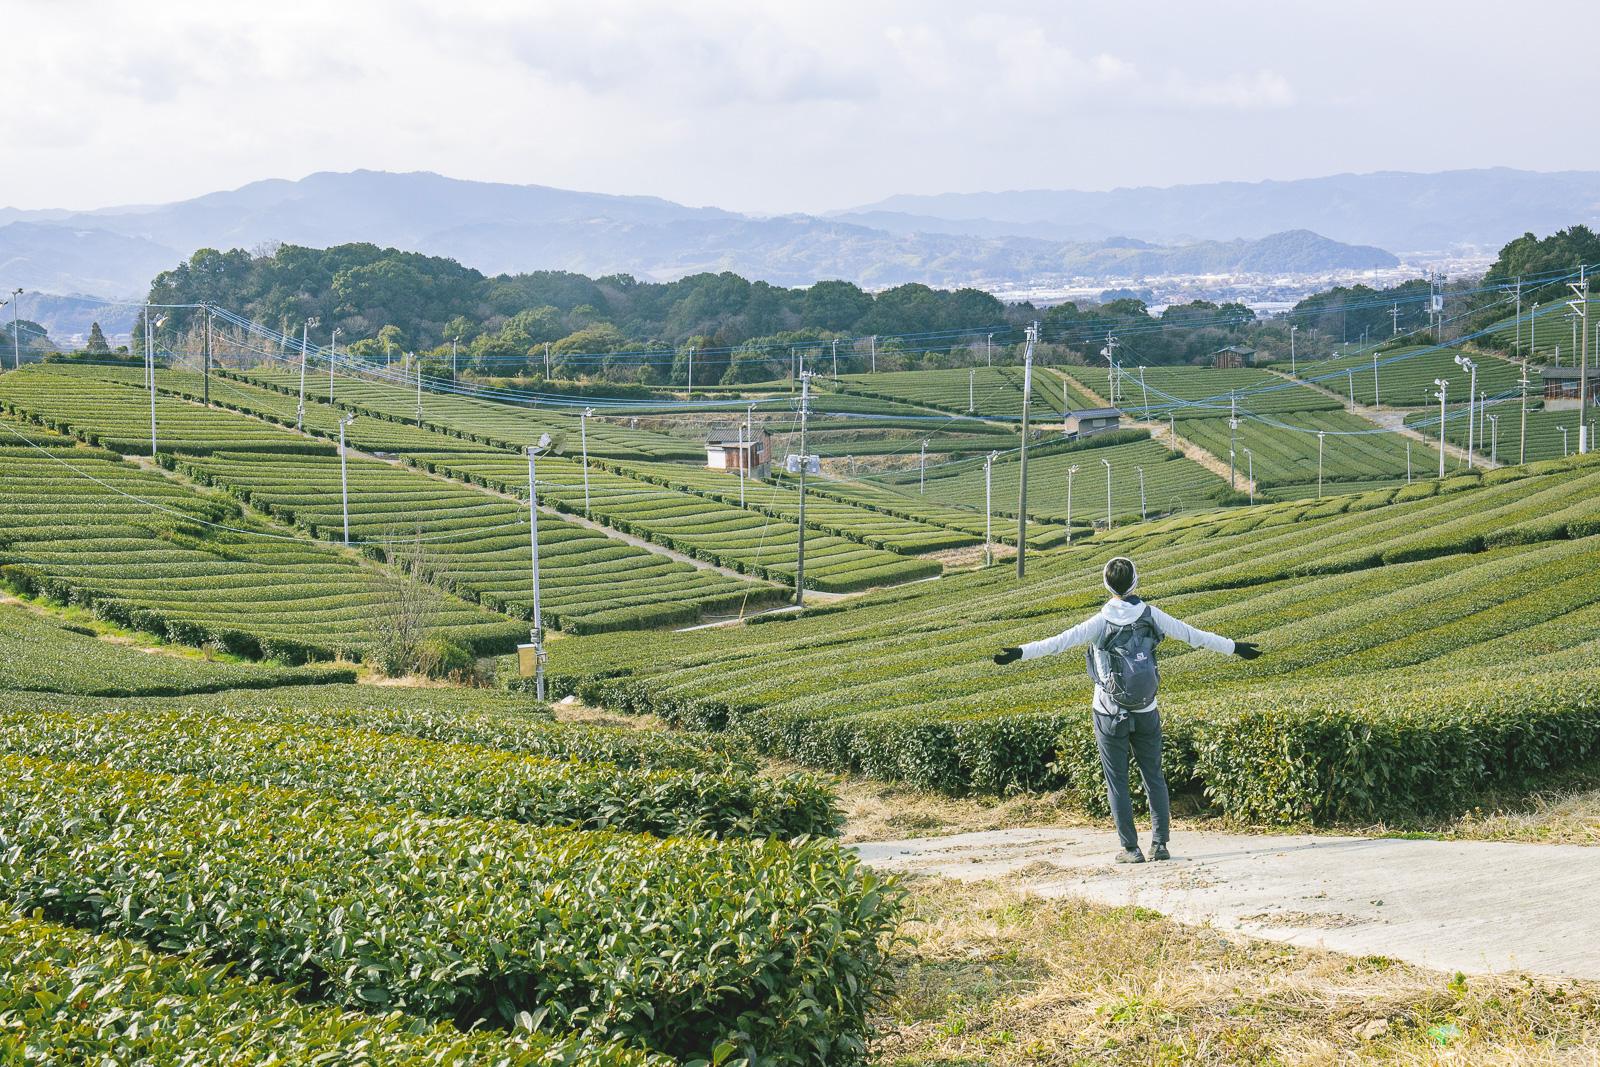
(771, 106)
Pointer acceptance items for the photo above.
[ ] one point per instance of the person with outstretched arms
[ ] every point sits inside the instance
(1121, 640)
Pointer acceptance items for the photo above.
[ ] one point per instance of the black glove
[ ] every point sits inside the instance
(1007, 655)
(1246, 649)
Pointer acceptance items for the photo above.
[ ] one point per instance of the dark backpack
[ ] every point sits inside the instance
(1130, 676)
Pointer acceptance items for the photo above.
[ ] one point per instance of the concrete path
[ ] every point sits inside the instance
(1471, 906)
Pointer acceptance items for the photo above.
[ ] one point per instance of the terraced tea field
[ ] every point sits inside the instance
(1283, 449)
(477, 543)
(1171, 482)
(995, 392)
(1483, 573)
(761, 544)
(1545, 439)
(38, 653)
(1406, 375)
(487, 421)
(83, 527)
(1201, 392)
(369, 867)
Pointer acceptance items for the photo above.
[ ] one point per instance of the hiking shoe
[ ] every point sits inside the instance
(1130, 855)
(1158, 851)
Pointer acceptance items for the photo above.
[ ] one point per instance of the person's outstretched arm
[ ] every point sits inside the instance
(1179, 630)
(1088, 630)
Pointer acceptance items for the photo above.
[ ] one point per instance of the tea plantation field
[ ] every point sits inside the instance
(330, 875)
(83, 527)
(1172, 481)
(1406, 375)
(1400, 624)
(995, 392)
(40, 653)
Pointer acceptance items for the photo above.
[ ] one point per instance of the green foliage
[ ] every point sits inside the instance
(67, 996)
(371, 767)
(677, 945)
(37, 653)
(440, 657)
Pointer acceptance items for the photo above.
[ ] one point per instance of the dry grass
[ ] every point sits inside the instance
(991, 976)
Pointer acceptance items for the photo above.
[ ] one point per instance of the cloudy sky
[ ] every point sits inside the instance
(783, 106)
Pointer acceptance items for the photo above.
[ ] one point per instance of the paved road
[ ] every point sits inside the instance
(1469, 906)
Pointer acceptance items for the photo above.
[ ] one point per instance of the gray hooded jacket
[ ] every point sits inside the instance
(1120, 612)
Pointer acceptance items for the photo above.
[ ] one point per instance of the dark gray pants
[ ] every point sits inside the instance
(1140, 733)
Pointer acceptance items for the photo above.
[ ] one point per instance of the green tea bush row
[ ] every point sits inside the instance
(682, 945)
(431, 776)
(67, 996)
(38, 653)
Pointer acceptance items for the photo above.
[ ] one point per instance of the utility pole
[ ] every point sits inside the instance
(1350, 372)
(344, 477)
(416, 365)
(1110, 352)
(835, 359)
(1292, 331)
(150, 374)
(746, 434)
(300, 409)
(1444, 389)
(1472, 391)
(872, 345)
(454, 373)
(988, 348)
(922, 469)
(533, 540)
(1565, 451)
(16, 329)
(547, 361)
(1071, 471)
(805, 460)
(1141, 493)
(1581, 305)
(1522, 445)
(1233, 429)
(1250, 462)
(691, 372)
(1107, 463)
(1494, 438)
(1146, 391)
(1394, 314)
(1022, 465)
(1436, 304)
(1377, 398)
(1517, 344)
(1321, 434)
(972, 375)
(583, 438)
(988, 508)
(205, 366)
(333, 356)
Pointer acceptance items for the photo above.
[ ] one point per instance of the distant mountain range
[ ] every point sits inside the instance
(1393, 209)
(986, 239)
(498, 228)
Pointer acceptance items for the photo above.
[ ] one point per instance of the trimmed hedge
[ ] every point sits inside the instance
(683, 946)
(71, 997)
(431, 776)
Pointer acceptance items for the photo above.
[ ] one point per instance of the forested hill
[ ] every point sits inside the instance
(386, 302)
